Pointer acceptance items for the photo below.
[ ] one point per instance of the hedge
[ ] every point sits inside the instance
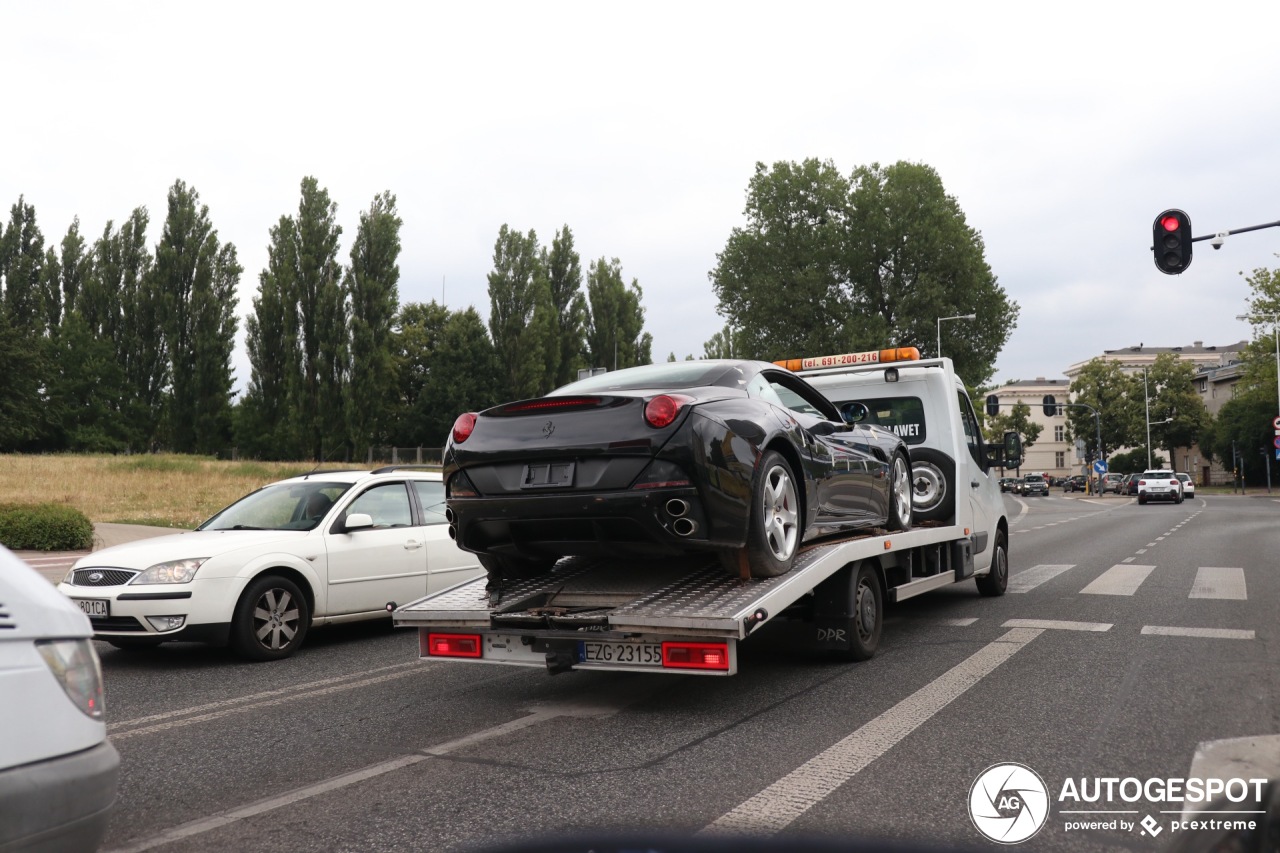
(44, 527)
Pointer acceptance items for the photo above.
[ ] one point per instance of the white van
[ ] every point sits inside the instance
(58, 771)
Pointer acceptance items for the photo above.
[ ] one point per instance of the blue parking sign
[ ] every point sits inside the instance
(1100, 466)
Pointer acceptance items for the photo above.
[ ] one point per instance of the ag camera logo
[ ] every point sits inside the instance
(1008, 803)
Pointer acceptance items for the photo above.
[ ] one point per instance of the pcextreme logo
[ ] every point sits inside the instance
(1008, 803)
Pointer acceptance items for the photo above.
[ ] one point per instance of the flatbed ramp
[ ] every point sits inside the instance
(626, 608)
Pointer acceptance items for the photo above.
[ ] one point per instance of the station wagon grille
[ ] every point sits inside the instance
(102, 577)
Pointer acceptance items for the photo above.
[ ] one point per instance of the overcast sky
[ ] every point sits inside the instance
(1061, 129)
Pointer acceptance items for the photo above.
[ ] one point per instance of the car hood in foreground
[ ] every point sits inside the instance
(181, 546)
(31, 608)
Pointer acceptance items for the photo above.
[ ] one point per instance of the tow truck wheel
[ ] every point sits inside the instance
(900, 491)
(866, 620)
(995, 582)
(774, 527)
(933, 480)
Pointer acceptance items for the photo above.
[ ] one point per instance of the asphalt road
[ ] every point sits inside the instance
(1133, 640)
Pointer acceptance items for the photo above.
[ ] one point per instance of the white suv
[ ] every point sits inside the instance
(58, 771)
(1159, 485)
(327, 547)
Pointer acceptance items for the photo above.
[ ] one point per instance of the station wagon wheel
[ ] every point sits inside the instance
(271, 619)
(774, 524)
(900, 492)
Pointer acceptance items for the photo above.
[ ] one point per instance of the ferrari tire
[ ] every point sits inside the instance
(775, 524)
(933, 480)
(271, 619)
(900, 493)
(996, 581)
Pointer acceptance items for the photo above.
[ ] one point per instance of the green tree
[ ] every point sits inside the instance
(615, 321)
(1171, 389)
(520, 312)
(1107, 388)
(829, 264)
(1017, 419)
(372, 288)
(465, 376)
(21, 406)
(22, 259)
(723, 344)
(563, 270)
(417, 335)
(197, 277)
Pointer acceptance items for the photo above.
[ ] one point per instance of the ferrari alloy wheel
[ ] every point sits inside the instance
(773, 534)
(271, 619)
(900, 491)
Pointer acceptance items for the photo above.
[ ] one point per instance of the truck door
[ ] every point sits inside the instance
(973, 476)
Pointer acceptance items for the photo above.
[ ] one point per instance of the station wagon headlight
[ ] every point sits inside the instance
(75, 664)
(174, 571)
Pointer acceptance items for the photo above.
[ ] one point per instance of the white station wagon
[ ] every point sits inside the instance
(327, 547)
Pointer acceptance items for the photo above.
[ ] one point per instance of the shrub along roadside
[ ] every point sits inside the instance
(44, 527)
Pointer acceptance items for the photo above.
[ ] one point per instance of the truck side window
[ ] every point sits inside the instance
(972, 435)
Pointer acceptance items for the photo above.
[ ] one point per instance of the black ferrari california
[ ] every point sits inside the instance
(743, 459)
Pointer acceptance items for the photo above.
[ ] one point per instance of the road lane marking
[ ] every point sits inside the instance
(1127, 560)
(1118, 580)
(782, 803)
(597, 706)
(1151, 544)
(292, 694)
(1027, 580)
(957, 623)
(1212, 633)
(1140, 551)
(1256, 757)
(1058, 625)
(1218, 582)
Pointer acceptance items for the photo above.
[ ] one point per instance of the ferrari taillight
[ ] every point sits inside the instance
(463, 426)
(663, 409)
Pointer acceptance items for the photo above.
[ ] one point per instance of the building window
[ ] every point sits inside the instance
(1060, 459)
(1059, 433)
(1204, 385)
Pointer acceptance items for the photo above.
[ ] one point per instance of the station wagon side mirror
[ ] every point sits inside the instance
(357, 521)
(854, 412)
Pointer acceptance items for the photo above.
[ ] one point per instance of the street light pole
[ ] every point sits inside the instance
(957, 317)
(1146, 398)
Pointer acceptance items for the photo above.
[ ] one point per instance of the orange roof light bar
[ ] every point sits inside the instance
(881, 356)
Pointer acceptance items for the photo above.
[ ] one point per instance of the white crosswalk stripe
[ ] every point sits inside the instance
(1118, 580)
(1219, 582)
(1028, 580)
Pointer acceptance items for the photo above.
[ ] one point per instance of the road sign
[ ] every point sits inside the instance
(1276, 423)
(1101, 466)
(1278, 441)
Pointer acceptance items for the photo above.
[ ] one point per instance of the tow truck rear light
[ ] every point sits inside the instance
(882, 356)
(453, 645)
(695, 655)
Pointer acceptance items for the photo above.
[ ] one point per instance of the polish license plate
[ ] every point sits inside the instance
(94, 606)
(547, 475)
(634, 654)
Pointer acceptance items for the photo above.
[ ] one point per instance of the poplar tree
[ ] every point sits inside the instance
(563, 269)
(615, 320)
(371, 286)
(520, 312)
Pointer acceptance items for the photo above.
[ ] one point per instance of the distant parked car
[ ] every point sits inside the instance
(1076, 483)
(1130, 484)
(1112, 483)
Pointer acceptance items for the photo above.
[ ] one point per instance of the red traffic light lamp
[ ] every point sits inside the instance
(1171, 241)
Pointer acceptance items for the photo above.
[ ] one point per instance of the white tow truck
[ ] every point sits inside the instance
(688, 615)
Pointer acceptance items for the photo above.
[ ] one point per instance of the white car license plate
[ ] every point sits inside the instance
(634, 654)
(94, 606)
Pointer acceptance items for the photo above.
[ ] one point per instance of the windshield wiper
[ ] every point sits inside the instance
(243, 527)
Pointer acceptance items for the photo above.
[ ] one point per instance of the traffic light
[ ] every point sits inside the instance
(1050, 406)
(993, 405)
(1171, 241)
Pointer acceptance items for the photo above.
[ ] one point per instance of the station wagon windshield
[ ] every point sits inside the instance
(283, 506)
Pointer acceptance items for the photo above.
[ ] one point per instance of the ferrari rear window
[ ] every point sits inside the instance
(903, 416)
(669, 375)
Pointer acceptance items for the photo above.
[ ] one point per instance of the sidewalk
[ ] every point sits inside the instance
(54, 565)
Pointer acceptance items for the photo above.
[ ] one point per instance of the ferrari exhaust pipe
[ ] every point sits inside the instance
(677, 507)
(448, 515)
(453, 533)
(685, 526)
